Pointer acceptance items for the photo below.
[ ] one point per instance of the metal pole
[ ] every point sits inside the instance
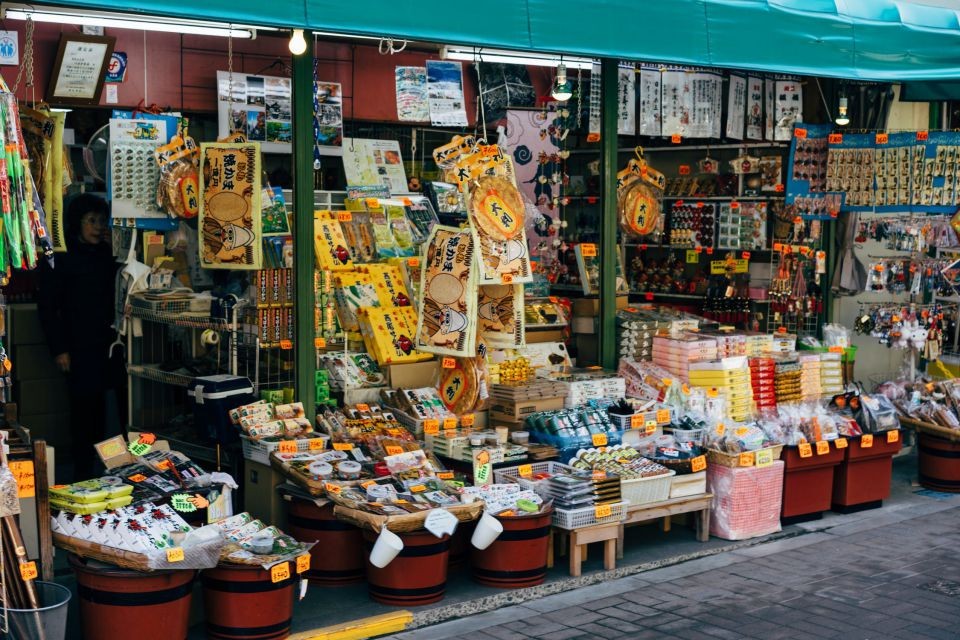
(304, 303)
(608, 219)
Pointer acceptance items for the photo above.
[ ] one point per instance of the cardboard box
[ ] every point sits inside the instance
(590, 307)
(260, 496)
(113, 451)
(515, 411)
(534, 336)
(412, 375)
(584, 324)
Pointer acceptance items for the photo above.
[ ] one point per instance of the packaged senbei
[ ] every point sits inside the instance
(330, 245)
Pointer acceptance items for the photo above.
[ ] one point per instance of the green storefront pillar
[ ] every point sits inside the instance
(608, 217)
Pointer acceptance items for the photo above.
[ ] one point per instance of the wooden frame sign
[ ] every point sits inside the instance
(80, 69)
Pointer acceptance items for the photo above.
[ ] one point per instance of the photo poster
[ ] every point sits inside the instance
(374, 163)
(412, 103)
(788, 108)
(754, 108)
(262, 108)
(650, 102)
(327, 118)
(504, 86)
(770, 90)
(445, 94)
(627, 99)
(736, 107)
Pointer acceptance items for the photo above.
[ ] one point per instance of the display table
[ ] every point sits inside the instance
(699, 504)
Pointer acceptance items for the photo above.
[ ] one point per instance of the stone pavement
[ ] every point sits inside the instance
(875, 575)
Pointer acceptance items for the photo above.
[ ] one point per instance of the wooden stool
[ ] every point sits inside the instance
(608, 534)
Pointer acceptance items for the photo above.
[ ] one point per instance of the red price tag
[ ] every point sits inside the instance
(684, 169)
(698, 249)
(882, 138)
(709, 251)
(835, 138)
(734, 205)
(779, 188)
(676, 138)
(800, 134)
(923, 136)
(745, 255)
(648, 297)
(346, 216)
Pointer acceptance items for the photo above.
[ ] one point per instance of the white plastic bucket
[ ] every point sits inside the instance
(386, 548)
(488, 529)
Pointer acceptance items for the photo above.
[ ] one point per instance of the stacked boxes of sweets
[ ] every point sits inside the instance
(730, 377)
(831, 373)
(787, 380)
(676, 353)
(265, 425)
(636, 329)
(584, 385)
(762, 380)
(512, 402)
(758, 344)
(810, 376)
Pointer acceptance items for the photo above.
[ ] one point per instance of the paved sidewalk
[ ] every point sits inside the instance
(876, 575)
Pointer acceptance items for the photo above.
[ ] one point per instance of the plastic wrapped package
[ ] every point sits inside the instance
(746, 500)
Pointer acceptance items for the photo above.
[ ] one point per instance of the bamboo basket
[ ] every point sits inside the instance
(406, 523)
(199, 557)
(953, 435)
(732, 460)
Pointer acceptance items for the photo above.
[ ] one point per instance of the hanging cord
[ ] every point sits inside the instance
(482, 120)
(230, 81)
(386, 46)
(27, 65)
(824, 99)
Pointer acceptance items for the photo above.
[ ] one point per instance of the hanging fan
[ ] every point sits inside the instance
(96, 153)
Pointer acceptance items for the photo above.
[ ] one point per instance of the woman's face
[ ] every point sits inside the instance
(93, 228)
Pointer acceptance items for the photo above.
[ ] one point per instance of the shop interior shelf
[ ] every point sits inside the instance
(181, 319)
(159, 375)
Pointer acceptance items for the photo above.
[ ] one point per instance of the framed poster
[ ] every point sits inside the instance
(80, 68)
(261, 108)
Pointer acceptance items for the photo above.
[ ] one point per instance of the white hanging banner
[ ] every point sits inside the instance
(627, 99)
(736, 103)
(650, 102)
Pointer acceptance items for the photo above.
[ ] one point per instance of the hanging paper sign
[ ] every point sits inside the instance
(440, 522)
(117, 67)
(482, 468)
(9, 48)
(25, 476)
(230, 221)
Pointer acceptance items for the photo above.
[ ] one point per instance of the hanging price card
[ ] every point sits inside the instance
(866, 441)
(663, 416)
(346, 216)
(363, 408)
(449, 423)
(806, 450)
(747, 459)
(175, 554)
(603, 511)
(448, 363)
(588, 250)
(676, 138)
(287, 446)
(840, 443)
(525, 470)
(923, 136)
(280, 572)
(286, 345)
(28, 570)
(882, 138)
(764, 458)
(431, 430)
(892, 436)
(599, 439)
(303, 563)
(698, 464)
(468, 420)
(835, 138)
(800, 134)
(320, 343)
(823, 448)
(342, 446)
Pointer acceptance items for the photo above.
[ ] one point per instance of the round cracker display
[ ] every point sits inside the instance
(640, 209)
(444, 288)
(459, 386)
(497, 208)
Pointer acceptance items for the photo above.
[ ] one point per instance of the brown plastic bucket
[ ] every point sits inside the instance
(518, 557)
(338, 556)
(243, 602)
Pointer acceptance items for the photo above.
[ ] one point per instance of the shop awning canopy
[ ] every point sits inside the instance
(867, 39)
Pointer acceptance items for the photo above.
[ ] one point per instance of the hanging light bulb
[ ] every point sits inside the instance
(842, 117)
(562, 88)
(298, 43)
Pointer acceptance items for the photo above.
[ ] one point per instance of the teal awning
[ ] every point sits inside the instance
(868, 39)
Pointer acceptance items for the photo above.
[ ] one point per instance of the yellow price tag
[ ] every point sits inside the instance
(747, 459)
(588, 250)
(599, 439)
(468, 420)
(698, 464)
(28, 570)
(393, 450)
(651, 429)
(431, 429)
(866, 441)
(892, 436)
(280, 572)
(840, 443)
(603, 511)
(525, 470)
(303, 563)
(342, 446)
(449, 423)
(636, 421)
(418, 488)
(316, 444)
(741, 431)
(663, 416)
(806, 450)
(823, 448)
(175, 554)
(320, 343)
(287, 446)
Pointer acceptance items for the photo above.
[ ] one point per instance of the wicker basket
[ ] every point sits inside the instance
(732, 460)
(405, 523)
(929, 428)
(647, 490)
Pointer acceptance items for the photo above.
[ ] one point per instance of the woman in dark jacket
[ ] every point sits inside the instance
(76, 305)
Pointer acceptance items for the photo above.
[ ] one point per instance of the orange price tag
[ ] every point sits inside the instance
(320, 343)
(781, 329)
(413, 262)
(636, 421)
(287, 446)
(840, 443)
(431, 429)
(175, 554)
(588, 250)
(777, 247)
(866, 441)
(418, 488)
(745, 255)
(286, 345)
(663, 416)
(342, 446)
(468, 419)
(525, 470)
(721, 429)
(507, 278)
(332, 488)
(676, 138)
(712, 392)
(800, 134)
(698, 464)
(363, 407)
(923, 136)
(835, 138)
(448, 363)
(835, 349)
(280, 572)
(882, 138)
(734, 205)
(138, 478)
(445, 475)
(684, 169)
(823, 447)
(28, 570)
(599, 439)
(346, 216)
(303, 563)
(449, 423)
(806, 451)
(892, 436)
(698, 249)
(593, 137)
(747, 459)
(394, 450)
(685, 388)
(598, 475)
(603, 511)
(407, 202)
(779, 188)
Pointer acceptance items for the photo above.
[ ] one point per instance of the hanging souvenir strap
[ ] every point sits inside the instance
(500, 312)
(43, 138)
(498, 225)
(24, 216)
(230, 219)
(448, 307)
(596, 112)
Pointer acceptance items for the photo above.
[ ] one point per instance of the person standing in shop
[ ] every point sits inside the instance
(76, 305)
